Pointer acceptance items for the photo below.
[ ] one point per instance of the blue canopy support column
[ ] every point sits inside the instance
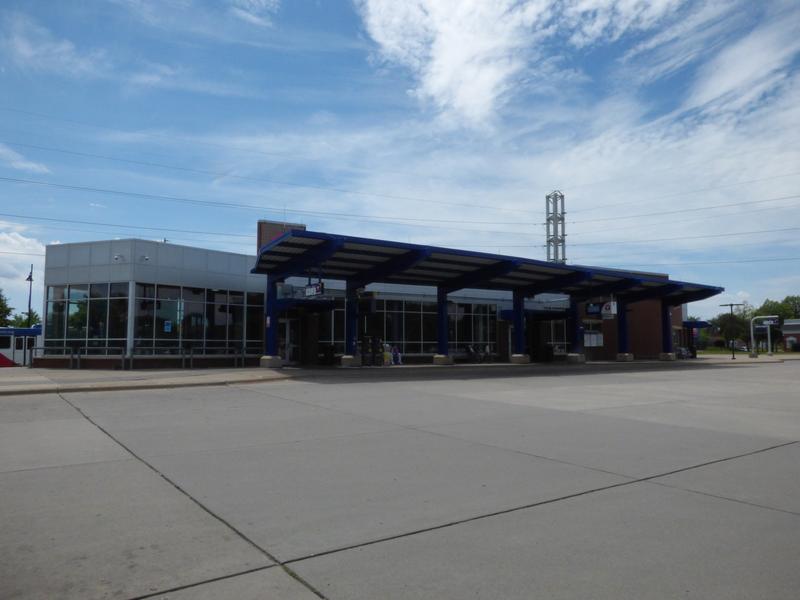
(271, 358)
(442, 356)
(623, 340)
(575, 334)
(351, 326)
(519, 356)
(666, 332)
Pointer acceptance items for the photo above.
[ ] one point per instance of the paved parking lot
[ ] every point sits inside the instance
(623, 483)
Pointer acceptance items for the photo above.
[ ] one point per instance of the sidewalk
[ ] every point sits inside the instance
(21, 380)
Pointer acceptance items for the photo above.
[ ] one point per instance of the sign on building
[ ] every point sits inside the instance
(315, 289)
(609, 310)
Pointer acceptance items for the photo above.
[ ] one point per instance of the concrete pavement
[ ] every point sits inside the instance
(602, 482)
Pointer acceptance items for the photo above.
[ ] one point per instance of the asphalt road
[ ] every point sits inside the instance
(672, 483)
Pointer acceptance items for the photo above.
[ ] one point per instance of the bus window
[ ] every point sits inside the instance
(5, 342)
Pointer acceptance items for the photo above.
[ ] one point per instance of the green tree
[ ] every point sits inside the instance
(773, 307)
(21, 319)
(732, 326)
(793, 304)
(5, 310)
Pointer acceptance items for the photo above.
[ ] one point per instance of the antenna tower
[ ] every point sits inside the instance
(556, 237)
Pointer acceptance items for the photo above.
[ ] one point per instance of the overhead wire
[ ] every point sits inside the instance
(420, 222)
(220, 174)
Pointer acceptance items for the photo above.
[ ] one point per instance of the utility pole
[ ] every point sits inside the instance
(29, 279)
(554, 221)
(733, 341)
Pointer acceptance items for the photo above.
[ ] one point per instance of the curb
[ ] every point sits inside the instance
(68, 389)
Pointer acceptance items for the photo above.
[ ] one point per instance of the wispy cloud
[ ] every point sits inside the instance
(469, 57)
(750, 67)
(255, 12)
(16, 161)
(33, 47)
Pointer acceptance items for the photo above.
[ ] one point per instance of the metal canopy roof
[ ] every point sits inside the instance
(362, 260)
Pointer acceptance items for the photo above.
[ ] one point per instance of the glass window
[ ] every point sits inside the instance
(145, 290)
(235, 297)
(413, 306)
(217, 319)
(193, 320)
(57, 292)
(413, 348)
(429, 328)
(118, 318)
(325, 325)
(465, 329)
(76, 319)
(480, 331)
(168, 292)
(236, 323)
(413, 327)
(394, 305)
(429, 307)
(394, 326)
(338, 325)
(145, 313)
(98, 318)
(79, 291)
(218, 296)
(98, 290)
(118, 290)
(194, 294)
(255, 298)
(55, 320)
(167, 321)
(255, 324)
(5, 342)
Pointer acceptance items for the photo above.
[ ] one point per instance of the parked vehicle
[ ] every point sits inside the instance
(15, 343)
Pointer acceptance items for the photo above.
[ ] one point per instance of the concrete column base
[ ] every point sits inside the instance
(624, 357)
(666, 356)
(348, 360)
(575, 358)
(271, 362)
(520, 359)
(442, 359)
(753, 355)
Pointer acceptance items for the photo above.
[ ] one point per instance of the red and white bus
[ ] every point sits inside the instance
(16, 343)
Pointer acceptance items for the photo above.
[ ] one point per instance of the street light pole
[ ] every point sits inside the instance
(29, 279)
(733, 341)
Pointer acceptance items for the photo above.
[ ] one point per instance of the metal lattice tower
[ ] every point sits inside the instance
(556, 236)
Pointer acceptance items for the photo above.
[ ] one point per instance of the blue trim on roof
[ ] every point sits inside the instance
(395, 265)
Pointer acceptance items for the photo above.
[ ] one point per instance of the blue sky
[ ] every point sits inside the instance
(671, 126)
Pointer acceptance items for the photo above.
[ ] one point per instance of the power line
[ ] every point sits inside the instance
(689, 220)
(687, 237)
(687, 192)
(99, 224)
(217, 203)
(256, 179)
(714, 262)
(685, 210)
(20, 253)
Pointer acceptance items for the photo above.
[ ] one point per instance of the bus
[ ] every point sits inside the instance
(15, 343)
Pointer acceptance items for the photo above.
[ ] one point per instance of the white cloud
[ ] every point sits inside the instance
(256, 12)
(470, 56)
(750, 67)
(31, 46)
(16, 161)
